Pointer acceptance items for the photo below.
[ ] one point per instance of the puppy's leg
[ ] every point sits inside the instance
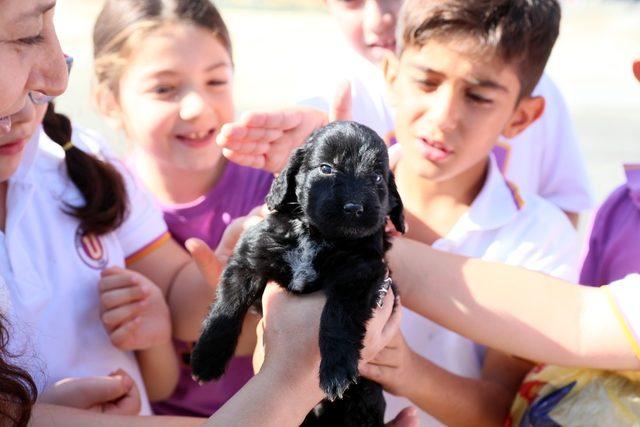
(342, 328)
(236, 293)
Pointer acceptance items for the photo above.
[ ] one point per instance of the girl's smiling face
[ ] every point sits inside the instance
(175, 94)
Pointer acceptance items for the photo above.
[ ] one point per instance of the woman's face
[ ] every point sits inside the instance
(30, 55)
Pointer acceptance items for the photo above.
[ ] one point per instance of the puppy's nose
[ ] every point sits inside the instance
(353, 209)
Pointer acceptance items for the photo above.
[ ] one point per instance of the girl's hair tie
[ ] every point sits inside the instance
(68, 146)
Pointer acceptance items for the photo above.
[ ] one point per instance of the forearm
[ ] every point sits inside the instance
(52, 415)
(160, 370)
(517, 311)
(270, 399)
(456, 400)
(189, 299)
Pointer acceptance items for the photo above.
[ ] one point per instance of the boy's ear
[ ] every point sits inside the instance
(108, 106)
(636, 68)
(390, 67)
(528, 110)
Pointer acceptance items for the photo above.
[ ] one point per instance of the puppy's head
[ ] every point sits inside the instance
(340, 183)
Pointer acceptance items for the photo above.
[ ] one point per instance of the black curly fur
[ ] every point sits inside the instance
(326, 231)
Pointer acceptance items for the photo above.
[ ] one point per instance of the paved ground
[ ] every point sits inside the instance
(591, 63)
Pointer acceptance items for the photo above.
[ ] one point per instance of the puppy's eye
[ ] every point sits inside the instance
(377, 178)
(326, 169)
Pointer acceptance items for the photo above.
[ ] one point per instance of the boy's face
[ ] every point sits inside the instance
(451, 107)
(369, 25)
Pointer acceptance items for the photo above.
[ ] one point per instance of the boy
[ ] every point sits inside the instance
(462, 80)
(545, 160)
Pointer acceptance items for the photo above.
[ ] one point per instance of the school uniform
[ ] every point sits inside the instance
(614, 247)
(51, 268)
(501, 225)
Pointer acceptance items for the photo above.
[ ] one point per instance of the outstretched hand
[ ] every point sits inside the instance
(265, 139)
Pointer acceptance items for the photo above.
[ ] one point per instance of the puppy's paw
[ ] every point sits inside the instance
(207, 365)
(336, 378)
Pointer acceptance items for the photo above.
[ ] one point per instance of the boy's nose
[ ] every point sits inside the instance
(444, 111)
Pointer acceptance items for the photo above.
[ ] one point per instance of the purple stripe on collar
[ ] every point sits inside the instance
(632, 171)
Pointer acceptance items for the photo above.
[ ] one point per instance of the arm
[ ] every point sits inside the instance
(452, 399)
(517, 311)
(187, 292)
(136, 317)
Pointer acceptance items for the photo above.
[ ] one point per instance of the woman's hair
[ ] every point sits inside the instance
(122, 24)
(17, 389)
(100, 183)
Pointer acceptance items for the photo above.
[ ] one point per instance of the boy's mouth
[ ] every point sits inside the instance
(434, 150)
(197, 139)
(5, 124)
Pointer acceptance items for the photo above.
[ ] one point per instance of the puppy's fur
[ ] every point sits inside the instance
(326, 231)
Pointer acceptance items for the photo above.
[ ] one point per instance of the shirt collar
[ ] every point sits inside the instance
(497, 203)
(632, 171)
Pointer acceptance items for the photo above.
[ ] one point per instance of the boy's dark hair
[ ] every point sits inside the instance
(100, 184)
(520, 32)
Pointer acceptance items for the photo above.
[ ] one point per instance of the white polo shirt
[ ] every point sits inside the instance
(51, 270)
(545, 159)
(504, 226)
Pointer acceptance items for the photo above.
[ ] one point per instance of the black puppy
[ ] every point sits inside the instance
(326, 231)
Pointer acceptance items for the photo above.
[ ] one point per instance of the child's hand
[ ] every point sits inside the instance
(133, 310)
(392, 367)
(234, 230)
(264, 140)
(113, 394)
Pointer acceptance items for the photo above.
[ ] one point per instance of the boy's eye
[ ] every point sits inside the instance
(326, 169)
(479, 99)
(426, 84)
(217, 82)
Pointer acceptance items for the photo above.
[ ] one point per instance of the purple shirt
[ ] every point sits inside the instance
(238, 190)
(614, 247)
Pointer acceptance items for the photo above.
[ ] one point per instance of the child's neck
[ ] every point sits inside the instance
(433, 208)
(171, 185)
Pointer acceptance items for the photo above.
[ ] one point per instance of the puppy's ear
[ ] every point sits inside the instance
(396, 210)
(283, 188)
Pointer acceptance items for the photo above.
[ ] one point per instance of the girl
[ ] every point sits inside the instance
(164, 76)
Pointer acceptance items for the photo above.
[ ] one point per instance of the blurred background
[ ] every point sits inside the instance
(276, 40)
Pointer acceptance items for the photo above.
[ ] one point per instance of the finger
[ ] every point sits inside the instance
(123, 296)
(279, 120)
(205, 260)
(257, 161)
(90, 391)
(117, 316)
(109, 271)
(341, 104)
(247, 139)
(122, 279)
(408, 417)
(124, 336)
(375, 373)
(392, 326)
